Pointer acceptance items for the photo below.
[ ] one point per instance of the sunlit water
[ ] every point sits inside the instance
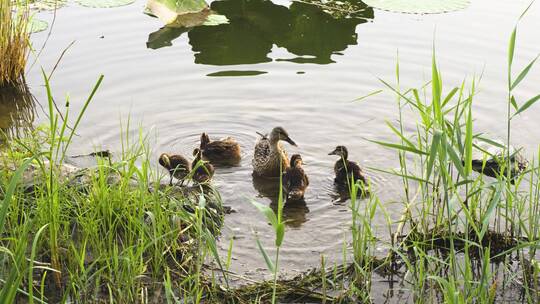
(300, 69)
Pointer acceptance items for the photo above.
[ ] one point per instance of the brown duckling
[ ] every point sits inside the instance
(177, 165)
(295, 180)
(269, 157)
(205, 171)
(224, 152)
(345, 169)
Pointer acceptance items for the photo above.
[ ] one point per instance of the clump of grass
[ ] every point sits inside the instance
(14, 41)
(107, 232)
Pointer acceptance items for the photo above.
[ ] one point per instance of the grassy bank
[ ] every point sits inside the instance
(109, 232)
(113, 233)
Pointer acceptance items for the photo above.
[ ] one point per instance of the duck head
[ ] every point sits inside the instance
(340, 151)
(164, 160)
(296, 160)
(278, 133)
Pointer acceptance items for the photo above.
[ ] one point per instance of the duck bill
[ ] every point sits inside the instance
(290, 141)
(333, 153)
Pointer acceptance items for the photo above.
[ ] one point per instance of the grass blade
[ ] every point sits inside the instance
(267, 259)
(11, 190)
(268, 212)
(527, 104)
(468, 143)
(399, 147)
(523, 73)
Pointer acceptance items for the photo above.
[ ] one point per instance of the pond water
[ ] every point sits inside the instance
(288, 64)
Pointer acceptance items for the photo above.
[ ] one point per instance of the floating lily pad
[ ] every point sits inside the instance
(47, 4)
(104, 3)
(36, 25)
(419, 6)
(169, 11)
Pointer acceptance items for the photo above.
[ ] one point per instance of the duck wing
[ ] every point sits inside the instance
(262, 151)
(356, 171)
(219, 147)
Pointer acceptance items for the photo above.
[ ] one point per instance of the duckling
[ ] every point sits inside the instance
(269, 158)
(177, 165)
(223, 152)
(345, 169)
(295, 180)
(203, 173)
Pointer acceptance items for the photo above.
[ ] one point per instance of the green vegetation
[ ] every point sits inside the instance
(14, 46)
(107, 232)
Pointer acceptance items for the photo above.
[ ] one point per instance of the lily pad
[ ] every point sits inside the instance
(47, 4)
(419, 6)
(169, 11)
(36, 25)
(104, 3)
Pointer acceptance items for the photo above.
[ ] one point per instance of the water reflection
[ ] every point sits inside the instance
(17, 111)
(294, 213)
(311, 32)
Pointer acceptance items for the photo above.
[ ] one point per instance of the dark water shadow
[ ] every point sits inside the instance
(17, 111)
(236, 73)
(294, 212)
(311, 31)
(341, 194)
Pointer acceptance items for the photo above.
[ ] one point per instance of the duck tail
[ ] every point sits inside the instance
(263, 136)
(205, 140)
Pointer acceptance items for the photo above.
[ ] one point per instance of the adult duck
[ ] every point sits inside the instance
(269, 158)
(295, 180)
(344, 169)
(223, 152)
(177, 166)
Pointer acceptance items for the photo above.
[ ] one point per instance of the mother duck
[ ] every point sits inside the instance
(270, 159)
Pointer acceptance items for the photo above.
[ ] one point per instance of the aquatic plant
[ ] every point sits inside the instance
(277, 222)
(14, 44)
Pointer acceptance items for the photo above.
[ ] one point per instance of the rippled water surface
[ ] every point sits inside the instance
(288, 64)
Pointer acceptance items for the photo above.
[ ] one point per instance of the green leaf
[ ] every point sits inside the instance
(403, 138)
(267, 259)
(11, 191)
(513, 102)
(523, 73)
(399, 147)
(280, 233)
(449, 96)
(436, 88)
(468, 143)
(268, 212)
(36, 25)
(455, 158)
(393, 172)
(368, 95)
(511, 47)
(419, 6)
(183, 13)
(526, 105)
(433, 153)
(491, 207)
